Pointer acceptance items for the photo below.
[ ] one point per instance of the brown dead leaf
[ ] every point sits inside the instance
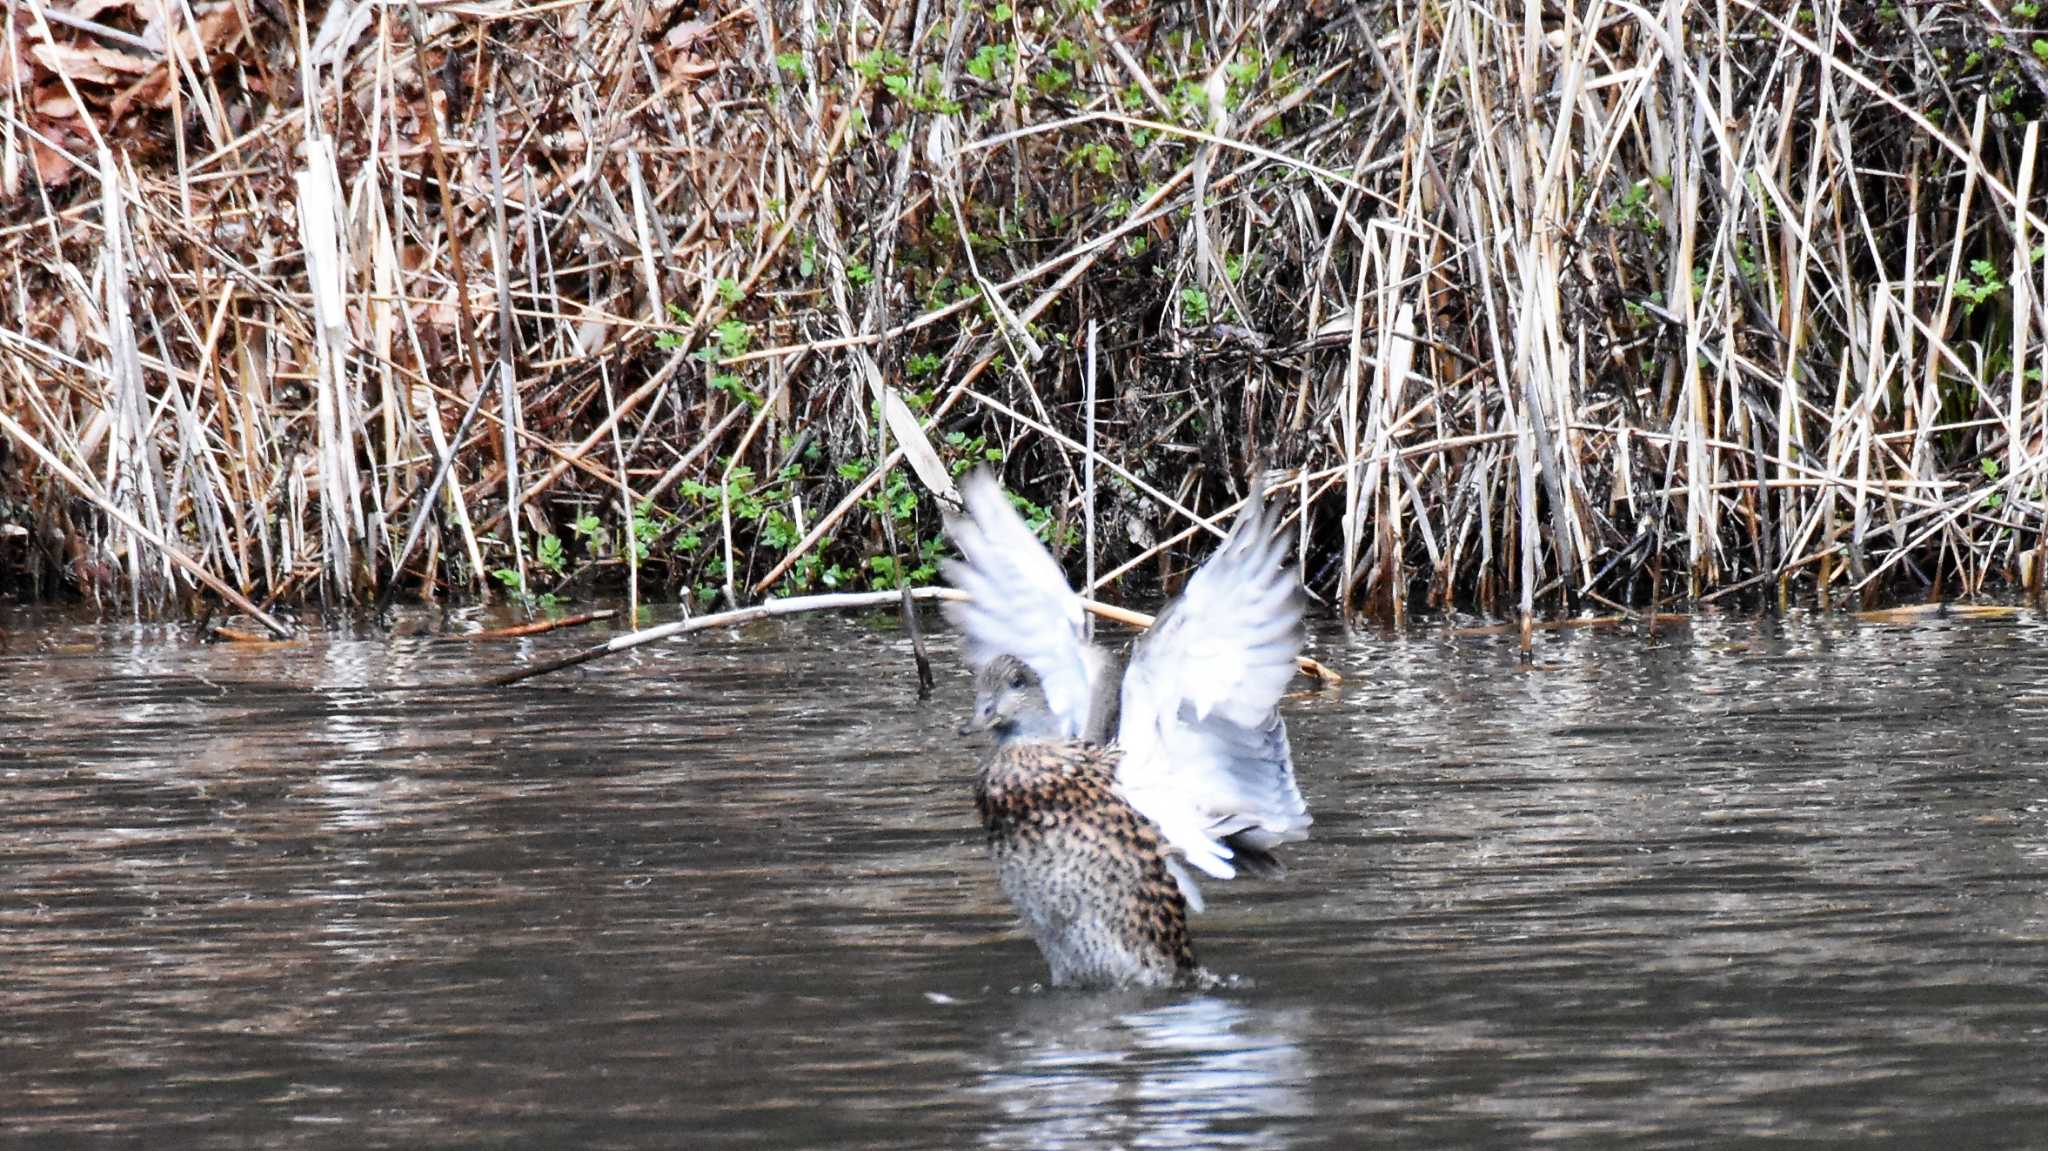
(91, 9)
(52, 102)
(209, 41)
(687, 51)
(685, 34)
(52, 167)
(89, 63)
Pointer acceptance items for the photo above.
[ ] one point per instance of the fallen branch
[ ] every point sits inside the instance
(1914, 613)
(537, 627)
(1140, 620)
(794, 605)
(800, 605)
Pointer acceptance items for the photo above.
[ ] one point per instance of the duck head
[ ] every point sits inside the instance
(1009, 701)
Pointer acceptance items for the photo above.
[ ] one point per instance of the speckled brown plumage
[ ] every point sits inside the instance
(1085, 871)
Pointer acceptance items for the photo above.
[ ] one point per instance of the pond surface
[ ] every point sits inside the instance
(1757, 878)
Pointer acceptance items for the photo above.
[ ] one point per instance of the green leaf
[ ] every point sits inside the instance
(987, 58)
(733, 337)
(550, 555)
(737, 388)
(1100, 157)
(871, 65)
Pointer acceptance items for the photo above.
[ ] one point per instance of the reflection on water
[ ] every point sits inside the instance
(1760, 878)
(1099, 1070)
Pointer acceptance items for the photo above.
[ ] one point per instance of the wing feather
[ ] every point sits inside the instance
(1205, 750)
(1020, 603)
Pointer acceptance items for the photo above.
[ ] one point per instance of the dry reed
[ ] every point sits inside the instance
(1529, 306)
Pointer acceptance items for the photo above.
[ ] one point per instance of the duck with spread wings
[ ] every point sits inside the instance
(1101, 793)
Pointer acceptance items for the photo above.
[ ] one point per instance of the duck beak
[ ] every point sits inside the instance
(983, 719)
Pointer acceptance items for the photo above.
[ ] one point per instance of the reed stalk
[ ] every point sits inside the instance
(1524, 306)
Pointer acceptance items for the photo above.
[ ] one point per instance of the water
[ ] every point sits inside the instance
(1763, 878)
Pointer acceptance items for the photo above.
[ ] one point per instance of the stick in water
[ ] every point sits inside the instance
(799, 605)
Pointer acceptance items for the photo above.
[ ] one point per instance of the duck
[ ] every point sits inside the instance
(1109, 784)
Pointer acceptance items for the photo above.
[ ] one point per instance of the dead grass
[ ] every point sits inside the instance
(1528, 306)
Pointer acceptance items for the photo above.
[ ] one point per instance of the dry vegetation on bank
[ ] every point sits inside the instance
(1527, 304)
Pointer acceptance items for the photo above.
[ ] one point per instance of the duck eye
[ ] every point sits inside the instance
(1017, 682)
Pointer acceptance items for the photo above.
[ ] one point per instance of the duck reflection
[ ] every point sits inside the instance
(1128, 1070)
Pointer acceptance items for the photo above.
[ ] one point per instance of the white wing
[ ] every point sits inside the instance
(1021, 604)
(1205, 753)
